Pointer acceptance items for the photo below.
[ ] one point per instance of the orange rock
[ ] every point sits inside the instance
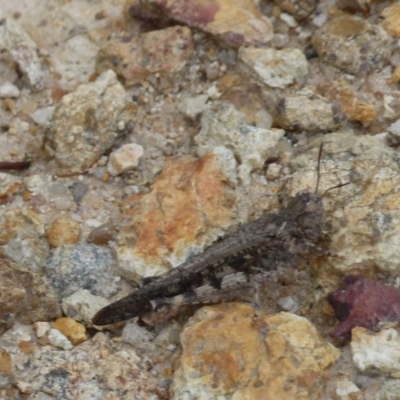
(228, 352)
(74, 331)
(63, 230)
(392, 20)
(188, 205)
(355, 109)
(6, 369)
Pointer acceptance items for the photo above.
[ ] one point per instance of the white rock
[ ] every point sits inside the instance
(34, 183)
(347, 390)
(228, 163)
(82, 305)
(395, 128)
(85, 123)
(75, 61)
(43, 116)
(276, 68)
(23, 50)
(376, 351)
(289, 304)
(263, 119)
(41, 328)
(213, 92)
(244, 174)
(191, 107)
(125, 158)
(289, 19)
(223, 125)
(393, 134)
(7, 90)
(57, 339)
(274, 171)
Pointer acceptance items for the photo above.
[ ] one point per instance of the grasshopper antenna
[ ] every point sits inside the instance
(335, 187)
(321, 146)
(319, 174)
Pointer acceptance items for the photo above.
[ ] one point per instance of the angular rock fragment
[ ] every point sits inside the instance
(188, 207)
(82, 266)
(361, 302)
(85, 123)
(17, 45)
(125, 158)
(234, 22)
(392, 17)
(276, 68)
(306, 111)
(22, 238)
(374, 352)
(24, 296)
(223, 125)
(354, 108)
(227, 353)
(74, 331)
(63, 230)
(352, 44)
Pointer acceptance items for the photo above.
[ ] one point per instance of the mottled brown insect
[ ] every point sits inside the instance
(276, 239)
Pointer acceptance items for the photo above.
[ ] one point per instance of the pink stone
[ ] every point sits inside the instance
(365, 303)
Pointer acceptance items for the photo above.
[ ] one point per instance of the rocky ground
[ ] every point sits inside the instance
(152, 128)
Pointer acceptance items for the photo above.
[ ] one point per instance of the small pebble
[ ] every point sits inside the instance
(74, 331)
(43, 116)
(26, 346)
(63, 230)
(274, 171)
(8, 90)
(124, 159)
(41, 328)
(79, 189)
(103, 234)
(57, 339)
(191, 107)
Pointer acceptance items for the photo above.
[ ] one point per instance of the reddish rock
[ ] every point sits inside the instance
(234, 22)
(366, 303)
